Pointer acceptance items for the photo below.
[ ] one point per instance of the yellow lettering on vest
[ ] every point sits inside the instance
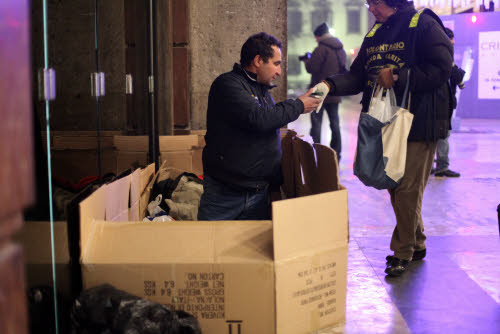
(394, 59)
(372, 58)
(397, 46)
(382, 48)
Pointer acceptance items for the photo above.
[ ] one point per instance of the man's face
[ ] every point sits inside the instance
(268, 72)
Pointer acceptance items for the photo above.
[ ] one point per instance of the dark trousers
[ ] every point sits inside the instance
(220, 202)
(332, 109)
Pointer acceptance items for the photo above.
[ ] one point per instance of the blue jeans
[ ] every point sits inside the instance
(332, 109)
(442, 151)
(220, 202)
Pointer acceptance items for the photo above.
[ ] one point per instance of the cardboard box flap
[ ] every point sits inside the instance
(91, 209)
(305, 224)
(327, 169)
(146, 185)
(117, 199)
(135, 195)
(158, 242)
(308, 169)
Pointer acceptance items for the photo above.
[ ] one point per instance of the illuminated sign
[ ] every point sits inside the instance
(457, 4)
(449, 24)
(444, 3)
(489, 67)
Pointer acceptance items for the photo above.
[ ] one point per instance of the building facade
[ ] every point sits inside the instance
(349, 20)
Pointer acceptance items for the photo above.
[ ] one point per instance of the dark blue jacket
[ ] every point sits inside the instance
(243, 146)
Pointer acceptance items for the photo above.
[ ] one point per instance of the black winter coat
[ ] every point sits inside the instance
(457, 76)
(243, 146)
(426, 50)
(326, 60)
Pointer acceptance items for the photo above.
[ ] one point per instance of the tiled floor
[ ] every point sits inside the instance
(456, 289)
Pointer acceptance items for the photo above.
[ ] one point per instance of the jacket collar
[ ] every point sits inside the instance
(250, 76)
(324, 36)
(405, 9)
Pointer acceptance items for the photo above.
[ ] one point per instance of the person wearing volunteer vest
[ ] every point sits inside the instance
(405, 45)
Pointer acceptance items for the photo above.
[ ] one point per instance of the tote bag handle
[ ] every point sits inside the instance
(407, 92)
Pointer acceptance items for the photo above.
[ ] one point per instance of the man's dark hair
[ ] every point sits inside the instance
(259, 44)
(395, 3)
(449, 33)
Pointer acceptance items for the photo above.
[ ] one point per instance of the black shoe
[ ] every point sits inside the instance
(433, 171)
(447, 173)
(396, 267)
(417, 255)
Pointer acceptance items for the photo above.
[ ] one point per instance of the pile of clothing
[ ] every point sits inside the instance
(175, 193)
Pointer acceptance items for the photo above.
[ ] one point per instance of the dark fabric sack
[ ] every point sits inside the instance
(370, 163)
(380, 159)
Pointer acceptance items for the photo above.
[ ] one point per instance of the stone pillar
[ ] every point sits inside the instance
(218, 29)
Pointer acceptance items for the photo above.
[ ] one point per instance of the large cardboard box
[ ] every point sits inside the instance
(182, 152)
(282, 276)
(35, 237)
(74, 153)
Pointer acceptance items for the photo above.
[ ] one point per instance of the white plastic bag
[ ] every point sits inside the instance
(383, 106)
(154, 207)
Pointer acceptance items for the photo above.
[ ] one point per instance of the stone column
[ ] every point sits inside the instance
(218, 29)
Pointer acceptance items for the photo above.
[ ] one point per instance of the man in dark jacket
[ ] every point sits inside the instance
(242, 156)
(405, 45)
(326, 60)
(443, 146)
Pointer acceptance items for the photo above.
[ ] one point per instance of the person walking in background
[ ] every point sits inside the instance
(443, 146)
(242, 155)
(327, 59)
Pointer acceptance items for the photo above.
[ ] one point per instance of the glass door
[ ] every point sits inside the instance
(94, 78)
(65, 105)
